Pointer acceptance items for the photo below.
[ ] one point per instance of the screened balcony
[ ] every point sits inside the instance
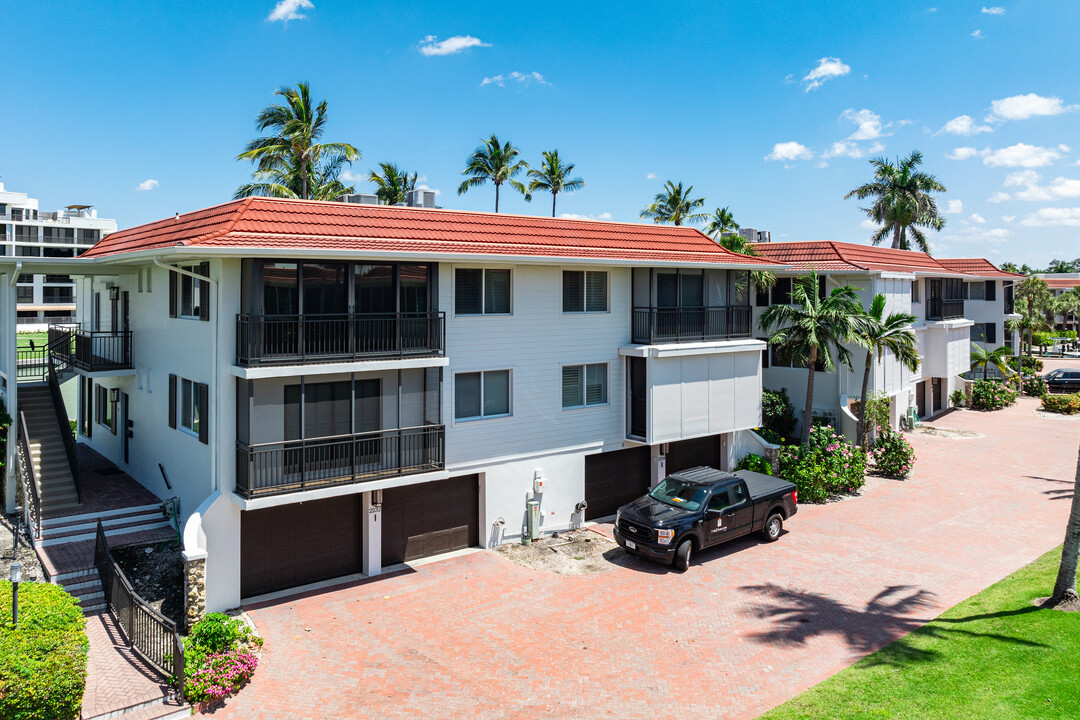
(301, 313)
(944, 299)
(678, 305)
(302, 434)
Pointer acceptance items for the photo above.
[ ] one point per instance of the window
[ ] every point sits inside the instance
(915, 291)
(189, 406)
(584, 291)
(719, 500)
(481, 292)
(762, 297)
(24, 294)
(26, 279)
(991, 290)
(57, 295)
(781, 291)
(189, 297)
(975, 291)
(584, 385)
(105, 410)
(738, 493)
(56, 279)
(481, 395)
(984, 333)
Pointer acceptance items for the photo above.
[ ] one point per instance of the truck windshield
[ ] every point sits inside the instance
(679, 494)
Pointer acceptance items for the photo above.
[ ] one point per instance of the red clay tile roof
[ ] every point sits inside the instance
(832, 256)
(979, 267)
(1062, 283)
(258, 223)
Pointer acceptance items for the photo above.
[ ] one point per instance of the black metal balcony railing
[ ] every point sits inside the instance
(90, 350)
(938, 309)
(301, 339)
(288, 467)
(657, 325)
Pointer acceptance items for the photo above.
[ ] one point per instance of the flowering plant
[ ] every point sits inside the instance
(219, 675)
(892, 453)
(826, 465)
(991, 395)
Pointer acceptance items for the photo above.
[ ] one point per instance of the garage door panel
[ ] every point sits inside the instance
(686, 454)
(613, 479)
(430, 518)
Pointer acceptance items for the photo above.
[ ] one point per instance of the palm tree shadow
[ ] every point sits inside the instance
(798, 616)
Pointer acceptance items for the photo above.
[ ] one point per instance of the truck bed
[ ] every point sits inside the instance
(761, 486)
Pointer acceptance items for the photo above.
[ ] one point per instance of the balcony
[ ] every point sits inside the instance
(690, 324)
(309, 339)
(90, 350)
(938, 309)
(279, 468)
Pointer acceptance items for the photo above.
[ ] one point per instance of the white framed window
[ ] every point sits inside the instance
(975, 290)
(482, 291)
(189, 403)
(105, 411)
(915, 291)
(189, 297)
(189, 406)
(190, 293)
(585, 291)
(479, 395)
(584, 385)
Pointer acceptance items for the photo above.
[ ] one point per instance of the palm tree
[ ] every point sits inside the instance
(811, 328)
(1034, 297)
(880, 334)
(278, 179)
(553, 177)
(985, 359)
(394, 184)
(496, 162)
(721, 223)
(1065, 584)
(902, 203)
(674, 205)
(293, 152)
(1067, 303)
(763, 279)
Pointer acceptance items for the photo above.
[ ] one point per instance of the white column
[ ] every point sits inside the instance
(9, 366)
(372, 535)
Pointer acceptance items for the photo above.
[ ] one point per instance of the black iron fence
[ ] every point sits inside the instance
(286, 467)
(28, 476)
(289, 339)
(30, 365)
(90, 350)
(938, 309)
(149, 633)
(722, 322)
(65, 427)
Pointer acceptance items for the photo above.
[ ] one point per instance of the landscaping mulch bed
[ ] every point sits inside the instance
(575, 552)
(31, 568)
(157, 574)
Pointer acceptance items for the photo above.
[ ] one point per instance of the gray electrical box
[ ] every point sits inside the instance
(532, 519)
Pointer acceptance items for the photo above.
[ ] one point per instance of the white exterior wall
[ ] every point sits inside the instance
(989, 311)
(697, 395)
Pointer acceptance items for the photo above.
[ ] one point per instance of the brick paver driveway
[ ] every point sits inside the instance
(747, 627)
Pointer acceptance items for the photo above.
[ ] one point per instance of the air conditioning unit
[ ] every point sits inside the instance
(360, 198)
(421, 198)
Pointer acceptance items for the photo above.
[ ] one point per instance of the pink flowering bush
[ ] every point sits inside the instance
(827, 465)
(219, 675)
(892, 453)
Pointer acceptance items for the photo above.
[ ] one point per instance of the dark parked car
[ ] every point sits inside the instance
(1062, 380)
(701, 507)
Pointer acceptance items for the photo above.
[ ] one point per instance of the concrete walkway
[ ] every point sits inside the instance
(747, 627)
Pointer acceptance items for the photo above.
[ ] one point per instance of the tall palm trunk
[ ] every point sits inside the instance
(896, 237)
(496, 197)
(1065, 586)
(808, 413)
(860, 431)
(553, 204)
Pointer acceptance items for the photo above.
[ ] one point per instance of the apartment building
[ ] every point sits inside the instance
(989, 301)
(332, 389)
(1060, 283)
(27, 232)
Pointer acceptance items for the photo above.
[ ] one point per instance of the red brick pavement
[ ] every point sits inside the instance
(748, 626)
(115, 677)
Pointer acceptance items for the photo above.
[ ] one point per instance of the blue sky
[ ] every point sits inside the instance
(769, 108)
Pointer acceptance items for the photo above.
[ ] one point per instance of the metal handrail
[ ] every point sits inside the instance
(150, 634)
(682, 324)
(92, 350)
(29, 477)
(65, 428)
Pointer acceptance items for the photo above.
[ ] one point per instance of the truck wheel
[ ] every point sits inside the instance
(682, 555)
(774, 525)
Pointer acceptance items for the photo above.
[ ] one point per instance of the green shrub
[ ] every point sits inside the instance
(1034, 386)
(777, 412)
(826, 465)
(957, 398)
(217, 660)
(1064, 404)
(991, 395)
(770, 436)
(893, 455)
(215, 633)
(1031, 364)
(43, 661)
(878, 405)
(755, 463)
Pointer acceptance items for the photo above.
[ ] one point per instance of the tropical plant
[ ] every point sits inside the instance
(1065, 584)
(902, 203)
(754, 463)
(985, 359)
(1027, 325)
(722, 223)
(1064, 404)
(393, 184)
(991, 395)
(812, 329)
(957, 397)
(881, 334)
(291, 161)
(554, 177)
(777, 412)
(763, 279)
(674, 205)
(1066, 304)
(824, 465)
(1035, 386)
(218, 657)
(495, 162)
(892, 453)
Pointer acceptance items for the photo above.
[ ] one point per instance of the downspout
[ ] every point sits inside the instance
(15, 275)
(215, 374)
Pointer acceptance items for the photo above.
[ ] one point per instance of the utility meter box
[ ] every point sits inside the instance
(532, 519)
(538, 481)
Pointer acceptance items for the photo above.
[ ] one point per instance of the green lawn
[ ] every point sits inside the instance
(992, 656)
(41, 339)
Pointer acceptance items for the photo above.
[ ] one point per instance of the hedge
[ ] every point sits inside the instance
(1064, 404)
(43, 661)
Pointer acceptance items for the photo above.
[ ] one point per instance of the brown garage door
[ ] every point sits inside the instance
(613, 479)
(430, 518)
(691, 453)
(293, 545)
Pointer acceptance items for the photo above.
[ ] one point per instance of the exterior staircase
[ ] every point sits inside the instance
(56, 486)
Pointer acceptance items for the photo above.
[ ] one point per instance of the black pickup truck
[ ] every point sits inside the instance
(700, 507)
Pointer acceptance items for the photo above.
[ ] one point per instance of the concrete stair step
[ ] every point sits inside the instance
(117, 532)
(93, 517)
(107, 523)
(80, 590)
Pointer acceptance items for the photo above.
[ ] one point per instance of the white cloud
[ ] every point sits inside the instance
(993, 10)
(869, 224)
(998, 197)
(962, 153)
(287, 10)
(976, 234)
(963, 125)
(827, 69)
(1053, 217)
(145, 185)
(954, 207)
(348, 176)
(1022, 107)
(978, 35)
(431, 45)
(1023, 155)
(1008, 218)
(790, 151)
(821, 164)
(651, 176)
(931, 10)
(434, 190)
(576, 216)
(522, 79)
(1058, 188)
(851, 150)
(868, 121)
(977, 219)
